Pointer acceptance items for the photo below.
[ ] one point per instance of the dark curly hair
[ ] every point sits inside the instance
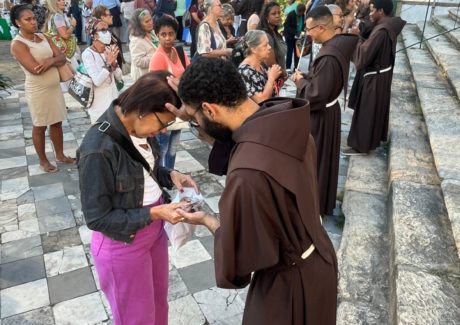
(16, 11)
(212, 80)
(165, 21)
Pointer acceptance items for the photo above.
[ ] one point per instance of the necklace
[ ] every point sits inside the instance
(32, 40)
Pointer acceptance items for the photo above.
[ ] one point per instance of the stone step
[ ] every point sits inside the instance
(424, 266)
(455, 14)
(363, 257)
(446, 23)
(441, 111)
(445, 54)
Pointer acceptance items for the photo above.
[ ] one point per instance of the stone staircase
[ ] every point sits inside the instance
(399, 255)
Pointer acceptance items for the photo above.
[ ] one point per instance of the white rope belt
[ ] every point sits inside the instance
(375, 72)
(312, 247)
(308, 252)
(332, 103)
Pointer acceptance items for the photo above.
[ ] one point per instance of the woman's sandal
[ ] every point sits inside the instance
(67, 160)
(48, 168)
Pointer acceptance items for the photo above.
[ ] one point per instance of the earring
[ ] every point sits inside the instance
(140, 117)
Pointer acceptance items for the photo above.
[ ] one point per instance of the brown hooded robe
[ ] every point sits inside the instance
(270, 216)
(323, 84)
(370, 94)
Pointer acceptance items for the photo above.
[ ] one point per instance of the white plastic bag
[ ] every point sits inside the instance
(181, 232)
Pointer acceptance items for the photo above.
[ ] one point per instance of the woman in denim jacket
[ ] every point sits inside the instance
(124, 205)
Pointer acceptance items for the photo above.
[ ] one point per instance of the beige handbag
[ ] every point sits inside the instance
(66, 72)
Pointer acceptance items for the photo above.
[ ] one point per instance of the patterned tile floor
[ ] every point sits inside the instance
(47, 273)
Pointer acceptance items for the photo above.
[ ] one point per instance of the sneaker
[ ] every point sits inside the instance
(351, 152)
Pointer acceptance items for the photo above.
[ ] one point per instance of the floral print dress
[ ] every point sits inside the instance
(253, 79)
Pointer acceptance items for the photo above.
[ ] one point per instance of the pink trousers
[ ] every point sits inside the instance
(134, 277)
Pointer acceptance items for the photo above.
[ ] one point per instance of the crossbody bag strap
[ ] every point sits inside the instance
(127, 145)
(181, 54)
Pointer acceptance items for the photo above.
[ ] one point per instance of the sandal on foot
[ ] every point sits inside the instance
(48, 168)
(67, 160)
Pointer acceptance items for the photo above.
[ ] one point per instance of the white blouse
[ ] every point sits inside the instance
(152, 191)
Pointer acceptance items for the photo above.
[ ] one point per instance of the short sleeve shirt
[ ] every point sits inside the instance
(253, 79)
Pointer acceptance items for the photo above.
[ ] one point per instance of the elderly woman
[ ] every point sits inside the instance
(226, 24)
(102, 13)
(39, 58)
(210, 41)
(121, 196)
(260, 81)
(167, 58)
(270, 20)
(142, 42)
(100, 61)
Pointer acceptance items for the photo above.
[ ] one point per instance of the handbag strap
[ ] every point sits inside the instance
(181, 54)
(127, 145)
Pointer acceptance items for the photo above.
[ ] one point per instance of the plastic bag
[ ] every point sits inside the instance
(181, 232)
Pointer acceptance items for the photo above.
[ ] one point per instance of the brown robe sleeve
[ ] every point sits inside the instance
(246, 240)
(366, 51)
(316, 86)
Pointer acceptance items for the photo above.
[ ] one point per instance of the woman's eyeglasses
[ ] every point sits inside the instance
(164, 125)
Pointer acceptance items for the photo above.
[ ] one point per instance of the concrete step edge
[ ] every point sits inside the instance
(420, 237)
(436, 47)
(444, 137)
(454, 14)
(446, 23)
(363, 253)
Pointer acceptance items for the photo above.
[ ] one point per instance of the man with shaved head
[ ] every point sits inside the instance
(322, 86)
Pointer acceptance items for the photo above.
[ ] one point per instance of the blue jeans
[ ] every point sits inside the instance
(168, 147)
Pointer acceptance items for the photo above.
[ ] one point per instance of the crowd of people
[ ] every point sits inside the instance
(280, 155)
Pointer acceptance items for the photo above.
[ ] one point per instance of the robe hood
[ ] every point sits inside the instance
(278, 124)
(345, 44)
(393, 24)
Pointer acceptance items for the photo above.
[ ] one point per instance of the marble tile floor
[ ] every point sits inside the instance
(46, 271)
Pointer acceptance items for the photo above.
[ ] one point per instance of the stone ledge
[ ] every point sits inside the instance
(363, 254)
(410, 157)
(420, 231)
(451, 191)
(362, 169)
(423, 298)
(445, 54)
(454, 14)
(445, 22)
(360, 314)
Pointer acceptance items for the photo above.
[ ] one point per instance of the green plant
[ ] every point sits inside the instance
(5, 83)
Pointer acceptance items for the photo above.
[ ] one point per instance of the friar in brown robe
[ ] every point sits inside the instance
(269, 211)
(322, 86)
(371, 92)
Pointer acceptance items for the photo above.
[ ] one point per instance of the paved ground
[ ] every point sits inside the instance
(47, 274)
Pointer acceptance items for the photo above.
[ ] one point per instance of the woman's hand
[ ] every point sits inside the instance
(44, 65)
(73, 22)
(112, 54)
(168, 212)
(274, 72)
(181, 181)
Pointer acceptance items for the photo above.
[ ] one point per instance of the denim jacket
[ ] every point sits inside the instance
(112, 183)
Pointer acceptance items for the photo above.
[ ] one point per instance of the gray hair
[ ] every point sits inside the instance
(228, 10)
(252, 39)
(135, 26)
(207, 4)
(334, 8)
